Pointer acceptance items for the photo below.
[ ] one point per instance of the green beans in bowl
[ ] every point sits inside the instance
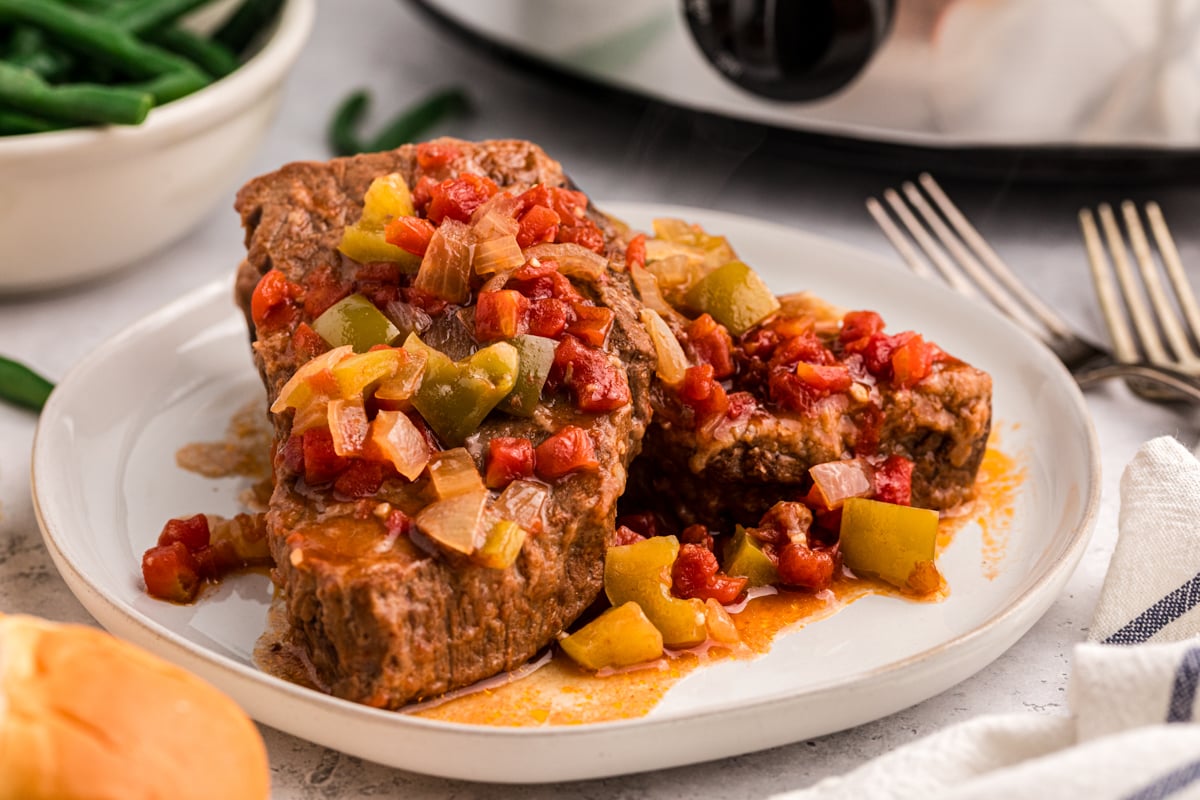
(121, 127)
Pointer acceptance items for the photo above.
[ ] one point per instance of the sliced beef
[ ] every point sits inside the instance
(384, 618)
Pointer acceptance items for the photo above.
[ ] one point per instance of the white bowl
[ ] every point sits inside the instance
(76, 204)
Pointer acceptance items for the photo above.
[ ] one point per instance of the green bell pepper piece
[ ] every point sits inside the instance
(355, 321)
(537, 356)
(455, 397)
(744, 557)
(735, 296)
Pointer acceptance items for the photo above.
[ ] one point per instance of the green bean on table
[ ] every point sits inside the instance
(409, 125)
(22, 386)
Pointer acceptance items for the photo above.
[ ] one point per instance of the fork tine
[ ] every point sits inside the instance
(1106, 292)
(1134, 301)
(1174, 266)
(991, 258)
(1167, 318)
(899, 241)
(937, 255)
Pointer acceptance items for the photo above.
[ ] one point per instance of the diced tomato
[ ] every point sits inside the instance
(379, 281)
(912, 362)
(422, 193)
(500, 315)
(569, 450)
(710, 343)
(568, 204)
(324, 286)
(538, 224)
(549, 317)
(428, 302)
(893, 481)
(858, 327)
(591, 323)
(307, 344)
(584, 233)
(459, 197)
(624, 536)
(696, 573)
(786, 521)
(321, 463)
(360, 478)
(271, 302)
(433, 155)
(635, 253)
(696, 534)
(646, 523)
(806, 383)
(192, 531)
(869, 419)
(542, 281)
(410, 233)
(804, 347)
(805, 568)
(741, 405)
(291, 454)
(595, 382)
(509, 458)
(702, 394)
(217, 560)
(171, 573)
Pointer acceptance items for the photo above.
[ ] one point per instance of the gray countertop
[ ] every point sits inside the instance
(614, 153)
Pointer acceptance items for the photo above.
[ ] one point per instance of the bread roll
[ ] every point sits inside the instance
(85, 715)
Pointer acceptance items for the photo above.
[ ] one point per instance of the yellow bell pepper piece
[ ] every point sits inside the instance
(744, 557)
(735, 296)
(502, 546)
(368, 244)
(312, 381)
(620, 637)
(894, 543)
(387, 197)
(641, 573)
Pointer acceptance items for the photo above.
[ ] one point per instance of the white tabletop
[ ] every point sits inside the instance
(612, 152)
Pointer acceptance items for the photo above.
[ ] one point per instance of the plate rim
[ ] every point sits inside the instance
(1074, 542)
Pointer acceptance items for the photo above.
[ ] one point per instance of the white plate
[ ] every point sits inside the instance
(105, 480)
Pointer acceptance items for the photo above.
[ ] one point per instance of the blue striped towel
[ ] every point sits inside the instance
(1133, 729)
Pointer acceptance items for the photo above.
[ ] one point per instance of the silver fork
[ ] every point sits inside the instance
(969, 265)
(1143, 341)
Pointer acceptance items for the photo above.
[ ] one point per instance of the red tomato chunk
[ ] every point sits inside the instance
(321, 463)
(710, 343)
(171, 573)
(509, 458)
(569, 450)
(806, 568)
(595, 382)
(271, 302)
(410, 233)
(500, 315)
(893, 481)
(591, 324)
(538, 224)
(697, 574)
(458, 197)
(432, 155)
(702, 394)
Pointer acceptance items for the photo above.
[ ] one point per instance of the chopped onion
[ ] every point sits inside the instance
(496, 217)
(573, 259)
(300, 390)
(500, 254)
(401, 442)
(837, 481)
(674, 272)
(454, 522)
(446, 268)
(647, 287)
(672, 363)
(349, 426)
(453, 472)
(522, 502)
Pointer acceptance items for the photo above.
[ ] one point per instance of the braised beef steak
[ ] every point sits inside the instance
(384, 618)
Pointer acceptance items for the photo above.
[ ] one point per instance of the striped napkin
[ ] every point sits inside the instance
(1134, 727)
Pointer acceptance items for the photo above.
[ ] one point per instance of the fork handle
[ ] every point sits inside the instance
(1186, 386)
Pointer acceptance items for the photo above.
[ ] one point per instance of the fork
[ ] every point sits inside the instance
(969, 265)
(1143, 340)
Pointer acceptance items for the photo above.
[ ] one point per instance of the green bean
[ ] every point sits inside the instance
(408, 126)
(244, 24)
(172, 86)
(91, 35)
(343, 136)
(23, 90)
(15, 123)
(416, 120)
(213, 58)
(140, 16)
(22, 386)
